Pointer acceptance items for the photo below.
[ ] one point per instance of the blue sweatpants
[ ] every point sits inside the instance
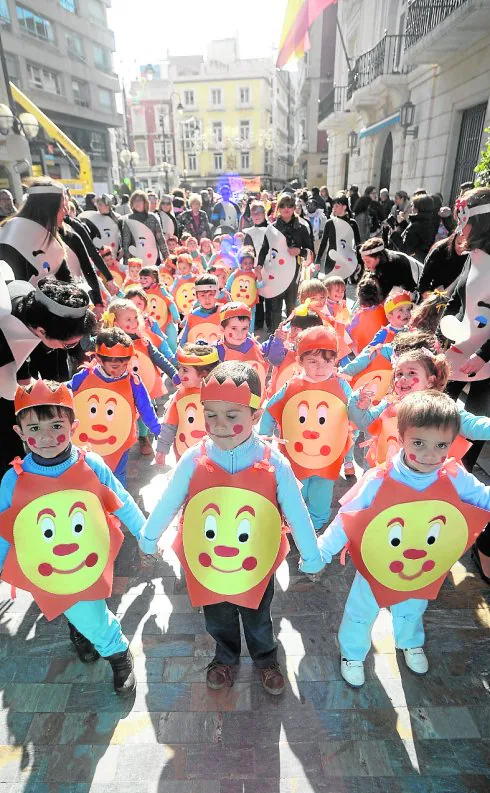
(317, 493)
(252, 321)
(120, 470)
(360, 614)
(99, 625)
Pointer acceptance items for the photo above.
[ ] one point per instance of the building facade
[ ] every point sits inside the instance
(59, 53)
(409, 107)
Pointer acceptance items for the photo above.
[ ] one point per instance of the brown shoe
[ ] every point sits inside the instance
(145, 446)
(219, 675)
(272, 679)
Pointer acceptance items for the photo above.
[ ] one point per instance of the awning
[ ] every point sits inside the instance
(375, 128)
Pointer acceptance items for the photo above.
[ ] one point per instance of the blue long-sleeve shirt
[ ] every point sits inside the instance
(129, 513)
(244, 456)
(380, 336)
(356, 415)
(141, 396)
(362, 361)
(469, 489)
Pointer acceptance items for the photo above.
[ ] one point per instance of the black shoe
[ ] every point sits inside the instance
(85, 649)
(122, 669)
(476, 559)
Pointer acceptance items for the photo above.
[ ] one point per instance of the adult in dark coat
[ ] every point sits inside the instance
(444, 264)
(419, 235)
(390, 268)
(195, 220)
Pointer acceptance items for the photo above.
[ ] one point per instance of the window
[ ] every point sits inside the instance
(216, 97)
(35, 25)
(4, 12)
(244, 96)
(192, 162)
(96, 11)
(69, 5)
(138, 119)
(245, 160)
(189, 98)
(267, 160)
(102, 58)
(98, 144)
(142, 150)
(218, 162)
(244, 130)
(81, 93)
(74, 45)
(13, 69)
(189, 131)
(44, 79)
(217, 132)
(105, 98)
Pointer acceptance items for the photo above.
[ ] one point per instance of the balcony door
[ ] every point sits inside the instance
(470, 136)
(386, 163)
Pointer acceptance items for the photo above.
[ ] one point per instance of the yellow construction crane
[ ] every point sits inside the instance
(84, 184)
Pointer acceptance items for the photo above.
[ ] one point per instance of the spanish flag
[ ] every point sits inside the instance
(300, 15)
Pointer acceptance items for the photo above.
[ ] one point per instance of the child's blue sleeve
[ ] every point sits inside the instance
(268, 424)
(144, 406)
(77, 380)
(174, 312)
(475, 428)
(359, 363)
(471, 490)
(363, 418)
(294, 509)
(155, 328)
(229, 282)
(167, 352)
(184, 334)
(161, 361)
(378, 338)
(387, 351)
(171, 500)
(6, 492)
(334, 537)
(130, 514)
(273, 350)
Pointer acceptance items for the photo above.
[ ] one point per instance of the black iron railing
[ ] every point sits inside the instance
(424, 15)
(334, 102)
(384, 58)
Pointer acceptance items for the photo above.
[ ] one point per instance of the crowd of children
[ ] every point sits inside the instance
(260, 432)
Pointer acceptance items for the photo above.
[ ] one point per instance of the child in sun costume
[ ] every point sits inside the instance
(235, 490)
(161, 305)
(203, 323)
(244, 282)
(405, 525)
(60, 510)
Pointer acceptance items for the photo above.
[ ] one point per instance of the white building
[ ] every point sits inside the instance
(434, 58)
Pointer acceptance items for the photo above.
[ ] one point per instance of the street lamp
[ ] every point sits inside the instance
(130, 159)
(407, 117)
(166, 167)
(30, 125)
(6, 120)
(352, 141)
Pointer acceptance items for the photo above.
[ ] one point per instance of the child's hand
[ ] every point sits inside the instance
(365, 397)
(159, 458)
(280, 333)
(258, 273)
(294, 251)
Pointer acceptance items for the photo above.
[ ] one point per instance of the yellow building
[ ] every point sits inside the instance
(226, 124)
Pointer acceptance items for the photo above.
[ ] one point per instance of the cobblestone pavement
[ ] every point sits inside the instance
(64, 730)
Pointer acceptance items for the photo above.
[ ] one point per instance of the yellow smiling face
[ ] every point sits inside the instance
(62, 541)
(244, 290)
(166, 279)
(225, 542)
(185, 297)
(205, 331)
(157, 309)
(105, 420)
(378, 381)
(316, 426)
(190, 429)
(142, 366)
(408, 546)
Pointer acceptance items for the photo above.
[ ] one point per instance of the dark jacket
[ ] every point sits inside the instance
(385, 208)
(97, 260)
(297, 236)
(419, 235)
(442, 266)
(74, 241)
(218, 214)
(396, 272)
(186, 222)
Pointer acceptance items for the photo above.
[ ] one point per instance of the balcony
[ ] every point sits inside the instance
(380, 67)
(438, 28)
(334, 102)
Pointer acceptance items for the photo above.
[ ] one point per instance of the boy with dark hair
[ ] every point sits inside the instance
(203, 322)
(235, 489)
(59, 540)
(161, 305)
(108, 398)
(405, 526)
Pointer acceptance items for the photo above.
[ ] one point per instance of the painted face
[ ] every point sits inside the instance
(229, 424)
(134, 272)
(114, 367)
(223, 542)
(336, 292)
(157, 309)
(46, 437)
(205, 331)
(105, 419)
(184, 268)
(207, 298)
(408, 546)
(244, 290)
(144, 247)
(317, 301)
(62, 541)
(222, 278)
(308, 419)
(139, 303)
(147, 281)
(191, 428)
(166, 278)
(185, 297)
(236, 331)
(127, 320)
(191, 246)
(411, 376)
(316, 367)
(400, 316)
(426, 448)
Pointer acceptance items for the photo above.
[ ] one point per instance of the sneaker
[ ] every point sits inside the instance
(349, 469)
(85, 649)
(352, 672)
(272, 679)
(145, 446)
(416, 660)
(219, 675)
(122, 670)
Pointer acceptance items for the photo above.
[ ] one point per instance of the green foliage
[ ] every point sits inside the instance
(482, 170)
